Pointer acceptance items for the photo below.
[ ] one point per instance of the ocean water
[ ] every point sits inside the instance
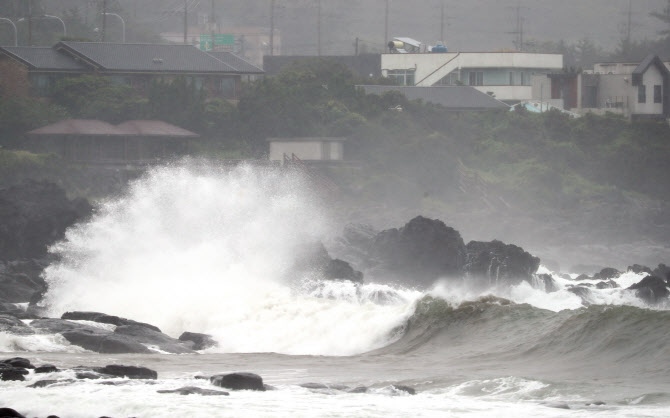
(210, 250)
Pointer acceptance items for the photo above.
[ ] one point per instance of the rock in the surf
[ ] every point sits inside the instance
(13, 373)
(105, 319)
(131, 372)
(46, 368)
(423, 250)
(144, 335)
(198, 341)
(18, 362)
(194, 390)
(495, 262)
(238, 381)
(651, 289)
(662, 271)
(607, 273)
(10, 413)
(313, 259)
(637, 269)
(13, 325)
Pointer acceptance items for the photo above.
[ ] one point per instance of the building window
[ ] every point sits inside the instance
(642, 93)
(658, 94)
(524, 80)
(476, 78)
(402, 77)
(450, 79)
(511, 78)
(226, 87)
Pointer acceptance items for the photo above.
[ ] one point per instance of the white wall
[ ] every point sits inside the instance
(650, 78)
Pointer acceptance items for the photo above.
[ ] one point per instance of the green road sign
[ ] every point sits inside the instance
(227, 39)
(224, 39)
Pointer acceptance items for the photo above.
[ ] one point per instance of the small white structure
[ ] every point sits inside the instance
(308, 149)
(505, 74)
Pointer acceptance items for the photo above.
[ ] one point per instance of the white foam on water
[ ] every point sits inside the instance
(208, 250)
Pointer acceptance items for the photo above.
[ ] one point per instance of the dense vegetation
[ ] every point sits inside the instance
(423, 157)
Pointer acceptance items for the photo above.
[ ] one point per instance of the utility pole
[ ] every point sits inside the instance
(442, 22)
(185, 21)
(30, 23)
(213, 24)
(104, 18)
(629, 23)
(386, 24)
(318, 27)
(519, 29)
(272, 27)
(356, 46)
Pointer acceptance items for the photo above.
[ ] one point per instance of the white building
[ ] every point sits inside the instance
(639, 90)
(506, 75)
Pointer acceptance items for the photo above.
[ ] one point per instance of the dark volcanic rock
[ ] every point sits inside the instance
(124, 339)
(610, 284)
(313, 259)
(607, 273)
(148, 336)
(238, 381)
(13, 325)
(131, 372)
(403, 388)
(200, 341)
(651, 289)
(341, 270)
(58, 326)
(13, 373)
(583, 277)
(636, 268)
(662, 271)
(10, 413)
(583, 293)
(548, 282)
(20, 279)
(359, 389)
(108, 343)
(34, 215)
(423, 250)
(194, 390)
(496, 263)
(105, 319)
(46, 368)
(50, 382)
(19, 362)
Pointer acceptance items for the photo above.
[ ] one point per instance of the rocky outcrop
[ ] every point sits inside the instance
(421, 251)
(13, 325)
(313, 259)
(194, 390)
(130, 372)
(662, 271)
(123, 339)
(198, 341)
(238, 381)
(150, 337)
(651, 289)
(495, 263)
(607, 273)
(105, 319)
(637, 269)
(20, 279)
(34, 215)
